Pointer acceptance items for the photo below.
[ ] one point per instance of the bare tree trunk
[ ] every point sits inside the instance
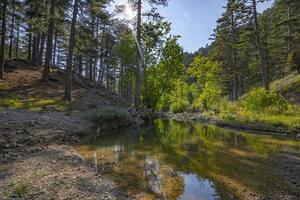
(58, 56)
(41, 49)
(138, 56)
(101, 68)
(234, 69)
(3, 34)
(54, 48)
(289, 29)
(68, 73)
(12, 30)
(17, 39)
(264, 72)
(80, 65)
(29, 44)
(35, 48)
(49, 42)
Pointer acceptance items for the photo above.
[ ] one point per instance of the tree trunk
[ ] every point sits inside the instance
(80, 65)
(264, 72)
(29, 44)
(138, 55)
(101, 68)
(3, 32)
(54, 48)
(12, 30)
(41, 49)
(35, 48)
(289, 29)
(68, 73)
(17, 39)
(49, 42)
(234, 69)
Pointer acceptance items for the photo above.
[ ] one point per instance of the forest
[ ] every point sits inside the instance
(101, 65)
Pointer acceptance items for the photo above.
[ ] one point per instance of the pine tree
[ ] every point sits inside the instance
(3, 38)
(69, 64)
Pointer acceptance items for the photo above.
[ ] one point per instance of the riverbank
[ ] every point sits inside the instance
(38, 162)
(249, 126)
(38, 129)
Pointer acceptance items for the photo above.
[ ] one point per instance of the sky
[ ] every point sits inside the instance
(195, 20)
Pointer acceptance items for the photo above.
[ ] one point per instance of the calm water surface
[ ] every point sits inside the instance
(189, 161)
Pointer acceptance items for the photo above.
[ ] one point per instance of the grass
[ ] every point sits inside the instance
(33, 103)
(18, 190)
(288, 119)
(3, 87)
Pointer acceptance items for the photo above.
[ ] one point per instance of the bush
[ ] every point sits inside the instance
(179, 106)
(259, 100)
(228, 110)
(110, 115)
(209, 99)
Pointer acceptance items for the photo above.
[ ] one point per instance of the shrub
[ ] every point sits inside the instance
(228, 110)
(109, 115)
(179, 106)
(259, 100)
(209, 99)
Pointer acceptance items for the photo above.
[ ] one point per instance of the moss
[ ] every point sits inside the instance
(33, 103)
(3, 87)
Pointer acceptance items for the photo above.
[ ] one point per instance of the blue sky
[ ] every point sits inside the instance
(195, 20)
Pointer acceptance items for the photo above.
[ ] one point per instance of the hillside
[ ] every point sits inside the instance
(37, 126)
(289, 87)
(23, 88)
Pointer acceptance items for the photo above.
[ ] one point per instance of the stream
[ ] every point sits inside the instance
(193, 161)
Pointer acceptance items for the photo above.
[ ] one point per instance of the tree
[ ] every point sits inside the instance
(69, 66)
(208, 82)
(138, 4)
(3, 38)
(48, 57)
(227, 41)
(262, 64)
(161, 78)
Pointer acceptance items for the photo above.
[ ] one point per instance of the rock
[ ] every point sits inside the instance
(298, 136)
(7, 156)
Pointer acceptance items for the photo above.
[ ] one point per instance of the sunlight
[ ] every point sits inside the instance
(129, 12)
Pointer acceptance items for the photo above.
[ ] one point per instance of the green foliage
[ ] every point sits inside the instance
(208, 82)
(179, 106)
(161, 79)
(259, 100)
(228, 109)
(291, 62)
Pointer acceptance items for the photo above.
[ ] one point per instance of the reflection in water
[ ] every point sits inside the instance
(196, 188)
(173, 160)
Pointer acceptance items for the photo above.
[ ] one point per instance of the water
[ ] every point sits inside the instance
(188, 161)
